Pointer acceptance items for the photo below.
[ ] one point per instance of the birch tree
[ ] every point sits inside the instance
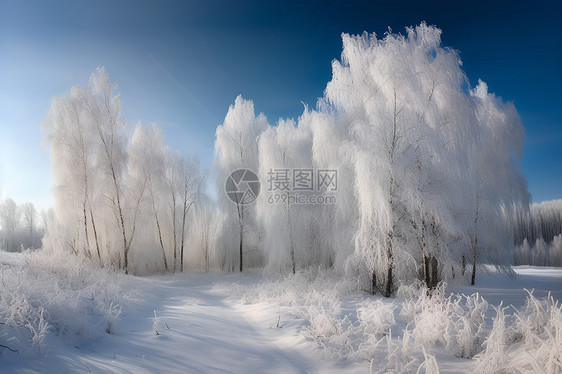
(236, 148)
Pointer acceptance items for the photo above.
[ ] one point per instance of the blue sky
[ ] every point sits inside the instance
(276, 53)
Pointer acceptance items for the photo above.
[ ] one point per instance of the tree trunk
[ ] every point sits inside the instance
(181, 248)
(475, 242)
(389, 254)
(158, 227)
(241, 223)
(373, 282)
(86, 228)
(185, 210)
(389, 283)
(291, 240)
(426, 279)
(206, 253)
(389, 280)
(117, 201)
(434, 272)
(241, 246)
(95, 235)
(121, 221)
(175, 231)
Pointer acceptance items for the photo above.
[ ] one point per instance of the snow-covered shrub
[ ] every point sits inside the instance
(455, 322)
(52, 293)
(376, 316)
(375, 319)
(493, 359)
(539, 325)
(21, 320)
(470, 326)
(323, 321)
(531, 343)
(429, 365)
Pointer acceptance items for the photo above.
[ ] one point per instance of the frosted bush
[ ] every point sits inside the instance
(376, 316)
(21, 321)
(539, 324)
(455, 322)
(329, 330)
(429, 365)
(535, 315)
(375, 319)
(531, 344)
(493, 358)
(470, 327)
(50, 293)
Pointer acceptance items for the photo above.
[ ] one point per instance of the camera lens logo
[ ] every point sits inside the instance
(242, 186)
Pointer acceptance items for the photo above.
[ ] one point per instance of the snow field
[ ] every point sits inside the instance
(310, 322)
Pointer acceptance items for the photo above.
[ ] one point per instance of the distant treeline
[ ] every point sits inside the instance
(18, 226)
(538, 234)
(541, 221)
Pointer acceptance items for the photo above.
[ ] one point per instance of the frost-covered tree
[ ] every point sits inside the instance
(498, 186)
(540, 253)
(385, 92)
(71, 141)
(422, 144)
(29, 216)
(539, 220)
(19, 228)
(333, 225)
(107, 183)
(186, 186)
(87, 139)
(236, 148)
(284, 149)
(147, 155)
(170, 184)
(104, 108)
(191, 183)
(203, 234)
(10, 216)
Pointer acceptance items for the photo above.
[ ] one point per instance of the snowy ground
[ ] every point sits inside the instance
(200, 329)
(217, 323)
(511, 290)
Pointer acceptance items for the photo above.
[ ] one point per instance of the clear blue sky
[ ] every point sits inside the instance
(276, 53)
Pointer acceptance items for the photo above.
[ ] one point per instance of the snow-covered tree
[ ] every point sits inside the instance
(147, 155)
(236, 148)
(498, 186)
(29, 216)
(10, 216)
(71, 142)
(284, 149)
(107, 183)
(104, 108)
(19, 228)
(539, 220)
